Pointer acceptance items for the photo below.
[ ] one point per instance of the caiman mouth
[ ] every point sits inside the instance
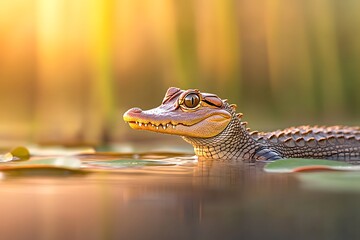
(152, 125)
(209, 126)
(157, 126)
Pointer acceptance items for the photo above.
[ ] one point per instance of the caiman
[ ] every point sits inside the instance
(216, 131)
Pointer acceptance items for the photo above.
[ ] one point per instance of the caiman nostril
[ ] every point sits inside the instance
(132, 113)
(135, 110)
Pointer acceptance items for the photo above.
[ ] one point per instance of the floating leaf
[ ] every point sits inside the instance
(331, 181)
(126, 163)
(59, 150)
(70, 163)
(150, 148)
(298, 164)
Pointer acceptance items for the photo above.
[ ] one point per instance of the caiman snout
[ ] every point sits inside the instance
(132, 113)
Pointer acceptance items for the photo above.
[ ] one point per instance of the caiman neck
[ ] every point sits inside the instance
(233, 142)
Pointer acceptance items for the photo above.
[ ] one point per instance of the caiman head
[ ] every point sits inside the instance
(188, 113)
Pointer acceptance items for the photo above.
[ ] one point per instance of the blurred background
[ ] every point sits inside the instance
(70, 69)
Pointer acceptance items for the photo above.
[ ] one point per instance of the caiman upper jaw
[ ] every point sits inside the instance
(133, 117)
(174, 121)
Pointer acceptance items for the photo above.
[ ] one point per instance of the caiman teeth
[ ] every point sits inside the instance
(164, 126)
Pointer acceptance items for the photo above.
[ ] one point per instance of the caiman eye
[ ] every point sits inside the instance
(192, 100)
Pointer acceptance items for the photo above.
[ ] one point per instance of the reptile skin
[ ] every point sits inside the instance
(219, 132)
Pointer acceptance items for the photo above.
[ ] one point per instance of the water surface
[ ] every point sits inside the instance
(179, 198)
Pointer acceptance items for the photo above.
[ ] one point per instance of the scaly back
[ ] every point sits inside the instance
(335, 142)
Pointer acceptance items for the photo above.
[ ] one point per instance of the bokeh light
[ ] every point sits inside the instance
(69, 69)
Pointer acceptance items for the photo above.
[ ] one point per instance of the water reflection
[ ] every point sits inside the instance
(193, 200)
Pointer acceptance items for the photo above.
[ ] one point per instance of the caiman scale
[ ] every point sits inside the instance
(216, 131)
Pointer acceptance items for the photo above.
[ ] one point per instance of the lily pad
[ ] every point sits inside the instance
(69, 163)
(128, 163)
(331, 181)
(59, 150)
(299, 164)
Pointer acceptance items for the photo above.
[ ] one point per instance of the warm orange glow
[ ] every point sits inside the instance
(68, 69)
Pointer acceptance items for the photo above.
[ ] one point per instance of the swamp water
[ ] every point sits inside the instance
(174, 196)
